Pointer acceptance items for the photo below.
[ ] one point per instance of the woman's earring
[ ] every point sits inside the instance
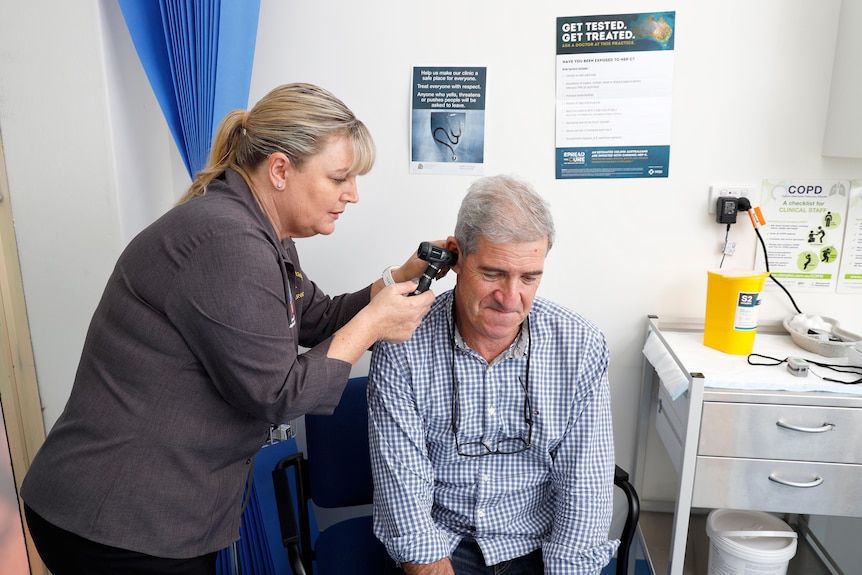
(280, 185)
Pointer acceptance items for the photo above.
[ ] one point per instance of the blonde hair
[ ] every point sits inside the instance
(296, 119)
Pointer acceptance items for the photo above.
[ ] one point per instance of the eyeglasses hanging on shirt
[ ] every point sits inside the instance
(507, 445)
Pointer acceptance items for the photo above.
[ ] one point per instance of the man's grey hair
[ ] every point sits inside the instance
(503, 209)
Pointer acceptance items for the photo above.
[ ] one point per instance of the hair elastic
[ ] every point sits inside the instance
(244, 122)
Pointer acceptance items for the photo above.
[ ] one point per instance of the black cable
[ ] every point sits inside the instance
(745, 205)
(834, 367)
(775, 360)
(766, 263)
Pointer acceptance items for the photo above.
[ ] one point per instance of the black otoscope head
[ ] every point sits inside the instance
(437, 258)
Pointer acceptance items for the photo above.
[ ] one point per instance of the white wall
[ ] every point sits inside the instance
(751, 92)
(55, 129)
(90, 160)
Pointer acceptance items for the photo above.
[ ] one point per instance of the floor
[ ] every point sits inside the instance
(656, 530)
(641, 568)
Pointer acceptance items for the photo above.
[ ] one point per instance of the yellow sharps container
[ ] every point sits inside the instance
(732, 301)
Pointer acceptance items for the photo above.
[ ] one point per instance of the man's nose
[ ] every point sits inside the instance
(509, 294)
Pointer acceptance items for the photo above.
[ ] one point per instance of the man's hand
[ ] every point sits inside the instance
(441, 567)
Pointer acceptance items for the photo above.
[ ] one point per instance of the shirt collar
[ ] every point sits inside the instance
(517, 349)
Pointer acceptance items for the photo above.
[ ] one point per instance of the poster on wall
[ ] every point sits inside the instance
(804, 232)
(850, 272)
(447, 125)
(614, 85)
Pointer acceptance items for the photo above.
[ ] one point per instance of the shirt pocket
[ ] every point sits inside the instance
(439, 438)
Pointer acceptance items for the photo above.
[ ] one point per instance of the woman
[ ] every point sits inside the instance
(193, 350)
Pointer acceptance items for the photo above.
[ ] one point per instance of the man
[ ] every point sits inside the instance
(490, 429)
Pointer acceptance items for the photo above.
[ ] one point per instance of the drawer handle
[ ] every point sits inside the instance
(817, 481)
(821, 429)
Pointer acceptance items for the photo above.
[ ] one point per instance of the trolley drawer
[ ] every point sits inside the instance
(769, 431)
(778, 486)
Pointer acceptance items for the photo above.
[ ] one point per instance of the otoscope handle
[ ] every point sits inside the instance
(426, 279)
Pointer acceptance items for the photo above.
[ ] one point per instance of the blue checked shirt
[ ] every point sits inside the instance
(557, 495)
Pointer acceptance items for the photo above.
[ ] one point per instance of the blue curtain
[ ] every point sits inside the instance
(198, 56)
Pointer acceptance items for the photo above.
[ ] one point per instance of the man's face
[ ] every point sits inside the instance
(495, 290)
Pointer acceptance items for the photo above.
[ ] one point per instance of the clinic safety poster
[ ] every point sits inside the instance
(447, 125)
(614, 86)
(804, 232)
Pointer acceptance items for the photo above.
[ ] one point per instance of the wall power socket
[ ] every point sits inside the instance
(730, 191)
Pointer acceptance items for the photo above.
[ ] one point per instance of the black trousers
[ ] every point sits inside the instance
(65, 553)
(467, 559)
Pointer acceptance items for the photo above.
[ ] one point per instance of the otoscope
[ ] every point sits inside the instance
(436, 257)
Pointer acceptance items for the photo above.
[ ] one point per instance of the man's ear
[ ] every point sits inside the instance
(452, 246)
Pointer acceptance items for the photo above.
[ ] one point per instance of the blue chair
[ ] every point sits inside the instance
(259, 549)
(335, 473)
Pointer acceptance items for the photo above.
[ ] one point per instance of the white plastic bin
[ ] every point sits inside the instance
(748, 543)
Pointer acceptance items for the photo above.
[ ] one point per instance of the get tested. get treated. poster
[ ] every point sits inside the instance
(614, 83)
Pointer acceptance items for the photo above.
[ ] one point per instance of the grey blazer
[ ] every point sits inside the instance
(191, 353)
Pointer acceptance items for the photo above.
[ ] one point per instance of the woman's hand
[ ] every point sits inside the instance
(395, 315)
(390, 316)
(412, 269)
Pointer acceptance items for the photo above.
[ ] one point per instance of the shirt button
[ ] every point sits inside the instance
(492, 411)
(481, 513)
(485, 477)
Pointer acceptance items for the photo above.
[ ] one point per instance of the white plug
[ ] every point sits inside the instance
(797, 366)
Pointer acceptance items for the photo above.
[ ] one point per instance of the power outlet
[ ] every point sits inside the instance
(730, 191)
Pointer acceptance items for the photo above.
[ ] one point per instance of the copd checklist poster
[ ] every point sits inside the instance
(804, 233)
(614, 87)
